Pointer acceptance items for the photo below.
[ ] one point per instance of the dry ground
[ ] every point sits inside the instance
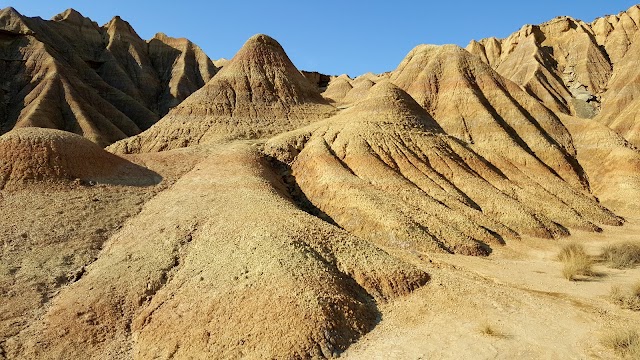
(520, 293)
(513, 304)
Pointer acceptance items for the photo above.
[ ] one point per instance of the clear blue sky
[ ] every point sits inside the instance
(330, 36)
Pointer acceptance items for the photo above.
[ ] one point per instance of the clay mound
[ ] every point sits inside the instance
(259, 82)
(616, 32)
(338, 89)
(199, 282)
(384, 170)
(44, 155)
(220, 62)
(621, 102)
(474, 103)
(361, 86)
(258, 93)
(627, 122)
(620, 38)
(343, 91)
(104, 83)
(528, 66)
(504, 125)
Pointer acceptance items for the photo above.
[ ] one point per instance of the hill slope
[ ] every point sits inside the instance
(259, 93)
(104, 83)
(576, 68)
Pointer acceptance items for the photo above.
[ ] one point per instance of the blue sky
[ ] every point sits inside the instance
(331, 36)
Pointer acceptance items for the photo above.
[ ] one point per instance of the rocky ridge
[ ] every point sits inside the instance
(104, 83)
(576, 68)
(258, 94)
(261, 218)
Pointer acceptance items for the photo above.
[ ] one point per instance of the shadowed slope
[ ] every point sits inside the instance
(182, 66)
(100, 82)
(258, 93)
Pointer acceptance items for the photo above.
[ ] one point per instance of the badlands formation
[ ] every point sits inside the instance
(104, 83)
(156, 205)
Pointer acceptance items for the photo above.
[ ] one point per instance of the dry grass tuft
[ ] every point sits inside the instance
(622, 256)
(576, 261)
(625, 342)
(570, 250)
(488, 329)
(629, 299)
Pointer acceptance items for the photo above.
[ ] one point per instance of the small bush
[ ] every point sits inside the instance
(575, 261)
(622, 256)
(629, 299)
(625, 342)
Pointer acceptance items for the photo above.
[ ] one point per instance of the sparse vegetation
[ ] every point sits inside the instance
(622, 256)
(576, 261)
(488, 329)
(625, 342)
(627, 299)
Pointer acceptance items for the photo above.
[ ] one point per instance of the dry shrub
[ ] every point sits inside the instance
(489, 330)
(575, 261)
(627, 299)
(625, 342)
(622, 256)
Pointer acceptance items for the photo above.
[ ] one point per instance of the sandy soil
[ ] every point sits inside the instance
(519, 292)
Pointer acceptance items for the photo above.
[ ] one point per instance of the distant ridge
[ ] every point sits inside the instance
(584, 69)
(258, 93)
(104, 83)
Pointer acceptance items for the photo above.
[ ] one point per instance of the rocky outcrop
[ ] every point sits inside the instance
(320, 80)
(558, 62)
(577, 68)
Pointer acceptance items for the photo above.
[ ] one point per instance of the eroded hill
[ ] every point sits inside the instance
(577, 68)
(263, 217)
(104, 83)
